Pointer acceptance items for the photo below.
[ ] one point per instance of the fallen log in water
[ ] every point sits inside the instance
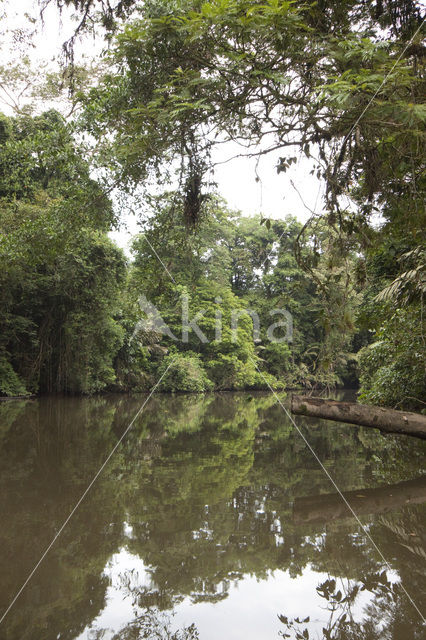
(326, 507)
(389, 420)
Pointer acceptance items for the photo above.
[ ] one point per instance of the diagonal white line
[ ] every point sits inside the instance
(92, 482)
(333, 482)
(145, 237)
(159, 259)
(346, 138)
(386, 77)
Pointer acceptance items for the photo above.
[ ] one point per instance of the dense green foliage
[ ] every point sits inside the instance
(322, 77)
(242, 273)
(60, 274)
(341, 83)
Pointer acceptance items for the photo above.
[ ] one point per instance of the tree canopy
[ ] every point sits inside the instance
(186, 78)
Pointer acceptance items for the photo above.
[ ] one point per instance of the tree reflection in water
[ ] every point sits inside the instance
(154, 624)
(210, 487)
(384, 616)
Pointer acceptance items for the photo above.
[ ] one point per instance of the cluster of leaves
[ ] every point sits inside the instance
(280, 73)
(393, 366)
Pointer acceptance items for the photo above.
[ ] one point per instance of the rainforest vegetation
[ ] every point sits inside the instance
(339, 83)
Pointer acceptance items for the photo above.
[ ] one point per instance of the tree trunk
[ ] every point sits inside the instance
(406, 422)
(326, 507)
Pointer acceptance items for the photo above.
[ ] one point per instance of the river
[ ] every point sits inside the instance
(206, 523)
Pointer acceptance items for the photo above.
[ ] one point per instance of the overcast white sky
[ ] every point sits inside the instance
(273, 195)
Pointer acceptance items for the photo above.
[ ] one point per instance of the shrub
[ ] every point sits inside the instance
(229, 372)
(10, 383)
(183, 372)
(393, 367)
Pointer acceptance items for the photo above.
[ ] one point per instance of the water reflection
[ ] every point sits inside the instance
(210, 506)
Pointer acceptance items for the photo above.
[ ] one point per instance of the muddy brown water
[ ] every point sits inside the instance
(206, 523)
